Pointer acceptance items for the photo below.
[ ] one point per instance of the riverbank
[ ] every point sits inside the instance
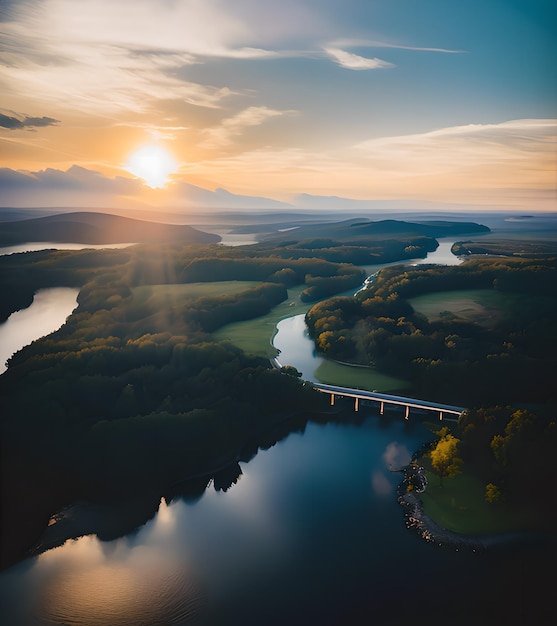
(429, 530)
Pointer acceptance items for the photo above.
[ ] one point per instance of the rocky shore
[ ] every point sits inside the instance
(429, 530)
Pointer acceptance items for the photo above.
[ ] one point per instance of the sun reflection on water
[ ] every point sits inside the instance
(90, 583)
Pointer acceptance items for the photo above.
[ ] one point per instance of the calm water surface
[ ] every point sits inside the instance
(48, 311)
(311, 534)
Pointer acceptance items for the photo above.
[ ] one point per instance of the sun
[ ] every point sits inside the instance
(153, 164)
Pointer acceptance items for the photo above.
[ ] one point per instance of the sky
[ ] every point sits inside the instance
(172, 103)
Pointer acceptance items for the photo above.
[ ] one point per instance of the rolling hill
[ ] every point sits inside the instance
(99, 228)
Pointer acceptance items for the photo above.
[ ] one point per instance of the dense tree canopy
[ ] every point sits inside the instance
(451, 359)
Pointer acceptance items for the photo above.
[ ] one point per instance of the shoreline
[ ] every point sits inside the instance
(432, 532)
(111, 518)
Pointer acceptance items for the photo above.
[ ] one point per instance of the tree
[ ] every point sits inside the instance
(445, 461)
(492, 493)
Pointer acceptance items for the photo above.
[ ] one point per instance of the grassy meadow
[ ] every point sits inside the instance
(255, 336)
(368, 378)
(161, 295)
(459, 505)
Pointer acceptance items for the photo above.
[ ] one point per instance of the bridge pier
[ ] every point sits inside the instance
(356, 404)
(382, 408)
(332, 399)
(440, 415)
(406, 412)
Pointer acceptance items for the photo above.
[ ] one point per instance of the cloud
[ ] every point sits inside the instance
(81, 187)
(353, 61)
(371, 43)
(232, 127)
(107, 79)
(16, 123)
(516, 144)
(104, 57)
(73, 179)
(510, 164)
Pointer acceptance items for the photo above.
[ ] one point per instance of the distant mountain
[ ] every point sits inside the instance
(186, 194)
(99, 228)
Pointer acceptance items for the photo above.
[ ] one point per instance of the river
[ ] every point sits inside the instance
(311, 534)
(47, 312)
(296, 348)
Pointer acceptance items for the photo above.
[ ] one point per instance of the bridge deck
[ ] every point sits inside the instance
(389, 399)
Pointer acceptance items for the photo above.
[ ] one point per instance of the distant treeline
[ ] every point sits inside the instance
(450, 359)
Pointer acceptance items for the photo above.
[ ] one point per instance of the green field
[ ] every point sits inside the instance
(483, 306)
(161, 295)
(255, 335)
(368, 378)
(459, 505)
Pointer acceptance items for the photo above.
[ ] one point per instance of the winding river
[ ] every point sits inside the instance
(48, 311)
(297, 348)
(311, 534)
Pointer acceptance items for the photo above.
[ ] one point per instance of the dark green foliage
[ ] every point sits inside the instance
(128, 394)
(451, 360)
(515, 450)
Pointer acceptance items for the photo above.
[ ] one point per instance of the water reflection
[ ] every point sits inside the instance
(296, 347)
(396, 456)
(87, 582)
(222, 550)
(381, 484)
(442, 255)
(47, 313)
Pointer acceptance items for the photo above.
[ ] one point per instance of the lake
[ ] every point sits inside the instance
(311, 534)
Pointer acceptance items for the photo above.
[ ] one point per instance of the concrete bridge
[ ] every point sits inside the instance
(443, 411)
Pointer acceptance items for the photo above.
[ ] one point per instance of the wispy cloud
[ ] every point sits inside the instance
(105, 79)
(104, 57)
(372, 43)
(23, 121)
(473, 163)
(511, 143)
(353, 61)
(232, 127)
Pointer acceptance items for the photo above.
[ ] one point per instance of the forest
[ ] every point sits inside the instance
(451, 358)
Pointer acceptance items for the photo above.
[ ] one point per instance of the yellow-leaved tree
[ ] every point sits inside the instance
(445, 461)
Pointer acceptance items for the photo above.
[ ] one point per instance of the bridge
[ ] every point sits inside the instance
(382, 399)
